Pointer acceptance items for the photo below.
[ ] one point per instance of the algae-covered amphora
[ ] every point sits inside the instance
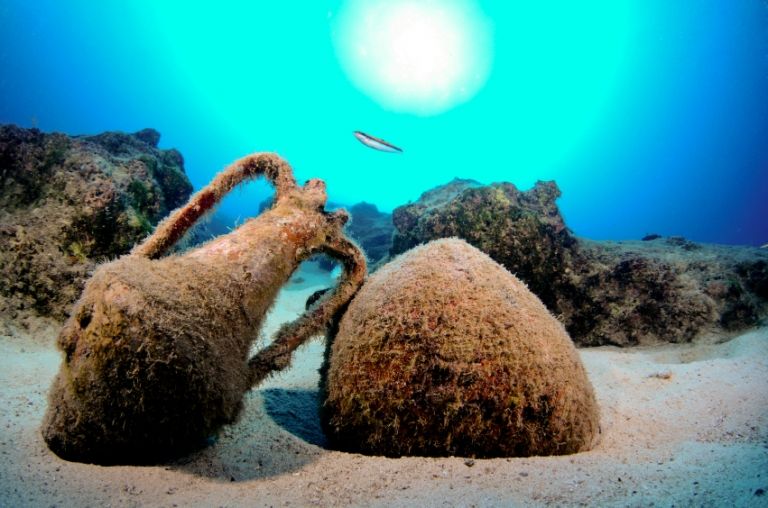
(157, 348)
(444, 352)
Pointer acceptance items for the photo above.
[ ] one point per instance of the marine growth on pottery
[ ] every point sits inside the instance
(444, 352)
(157, 348)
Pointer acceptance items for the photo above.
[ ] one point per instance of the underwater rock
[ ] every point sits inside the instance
(67, 203)
(521, 230)
(409, 230)
(444, 352)
(629, 293)
(679, 241)
(644, 292)
(157, 350)
(372, 230)
(621, 293)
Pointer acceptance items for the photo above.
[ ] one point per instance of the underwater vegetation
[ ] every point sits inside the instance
(621, 293)
(157, 347)
(444, 352)
(67, 203)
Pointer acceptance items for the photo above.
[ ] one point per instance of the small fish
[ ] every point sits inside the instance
(376, 143)
(765, 246)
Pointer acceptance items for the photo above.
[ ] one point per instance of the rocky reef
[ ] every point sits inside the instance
(68, 202)
(622, 293)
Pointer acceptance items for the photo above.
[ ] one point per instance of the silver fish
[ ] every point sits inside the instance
(376, 143)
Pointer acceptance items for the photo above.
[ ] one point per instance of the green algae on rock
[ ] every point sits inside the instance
(68, 202)
(621, 293)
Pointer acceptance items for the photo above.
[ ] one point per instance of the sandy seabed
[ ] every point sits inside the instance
(682, 425)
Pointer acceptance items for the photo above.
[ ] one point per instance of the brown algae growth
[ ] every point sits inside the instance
(157, 348)
(444, 352)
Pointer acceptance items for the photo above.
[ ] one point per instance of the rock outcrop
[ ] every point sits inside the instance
(68, 202)
(622, 293)
(372, 230)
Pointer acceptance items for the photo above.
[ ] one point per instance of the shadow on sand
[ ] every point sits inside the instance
(278, 433)
(296, 411)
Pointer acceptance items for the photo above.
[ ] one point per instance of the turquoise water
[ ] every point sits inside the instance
(651, 115)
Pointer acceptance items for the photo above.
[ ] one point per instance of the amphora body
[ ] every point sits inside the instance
(157, 348)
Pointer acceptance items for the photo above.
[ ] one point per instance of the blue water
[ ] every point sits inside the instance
(652, 115)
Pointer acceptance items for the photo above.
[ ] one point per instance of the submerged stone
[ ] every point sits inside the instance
(621, 293)
(69, 202)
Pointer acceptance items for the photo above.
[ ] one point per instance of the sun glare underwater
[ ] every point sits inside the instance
(651, 116)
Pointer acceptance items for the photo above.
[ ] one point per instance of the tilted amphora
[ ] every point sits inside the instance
(157, 351)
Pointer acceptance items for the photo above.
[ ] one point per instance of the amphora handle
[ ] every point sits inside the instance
(172, 228)
(277, 355)
(277, 171)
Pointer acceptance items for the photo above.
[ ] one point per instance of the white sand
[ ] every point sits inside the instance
(682, 425)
